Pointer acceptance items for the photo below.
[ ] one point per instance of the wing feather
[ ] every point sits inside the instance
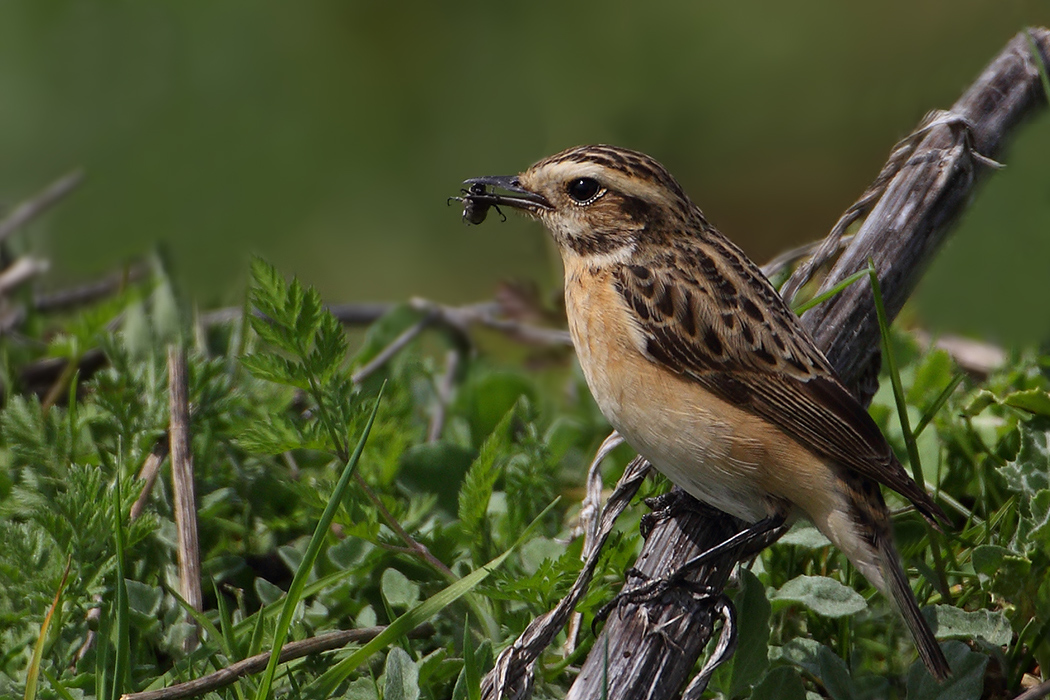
(706, 312)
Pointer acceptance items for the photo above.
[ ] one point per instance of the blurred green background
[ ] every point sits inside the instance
(327, 135)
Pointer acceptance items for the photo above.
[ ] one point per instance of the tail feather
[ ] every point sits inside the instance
(860, 527)
(899, 590)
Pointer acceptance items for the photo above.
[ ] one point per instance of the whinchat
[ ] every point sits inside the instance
(697, 361)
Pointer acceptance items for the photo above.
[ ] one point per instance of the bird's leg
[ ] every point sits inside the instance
(668, 505)
(653, 588)
(741, 539)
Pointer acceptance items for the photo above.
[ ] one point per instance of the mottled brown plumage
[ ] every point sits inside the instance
(697, 361)
(755, 355)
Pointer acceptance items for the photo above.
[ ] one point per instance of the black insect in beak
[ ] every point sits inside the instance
(477, 199)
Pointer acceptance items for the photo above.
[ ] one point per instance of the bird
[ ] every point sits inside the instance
(704, 370)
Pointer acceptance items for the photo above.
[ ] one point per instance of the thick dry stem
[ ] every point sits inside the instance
(182, 484)
(649, 658)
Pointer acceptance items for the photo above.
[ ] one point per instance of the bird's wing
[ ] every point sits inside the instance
(706, 312)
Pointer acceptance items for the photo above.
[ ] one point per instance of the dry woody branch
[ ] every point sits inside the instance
(910, 208)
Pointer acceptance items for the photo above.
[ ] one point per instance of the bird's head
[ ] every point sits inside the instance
(595, 200)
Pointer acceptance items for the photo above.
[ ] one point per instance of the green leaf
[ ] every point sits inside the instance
(268, 284)
(277, 369)
(398, 590)
(202, 620)
(400, 676)
(361, 689)
(311, 311)
(991, 626)
(253, 625)
(33, 673)
(302, 574)
(481, 478)
(980, 400)
(349, 553)
(801, 652)
(782, 683)
(1030, 471)
(144, 599)
(1007, 572)
(933, 373)
(279, 303)
(824, 596)
(487, 395)
(835, 676)
(326, 684)
(751, 659)
(468, 685)
(1038, 521)
(268, 593)
(934, 407)
(988, 559)
(804, 534)
(437, 468)
(330, 347)
(292, 554)
(893, 369)
(965, 683)
(820, 662)
(273, 437)
(1034, 401)
(538, 551)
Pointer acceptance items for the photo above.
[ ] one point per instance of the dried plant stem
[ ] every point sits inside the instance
(32, 208)
(254, 664)
(444, 388)
(148, 474)
(185, 503)
(413, 546)
(513, 672)
(920, 196)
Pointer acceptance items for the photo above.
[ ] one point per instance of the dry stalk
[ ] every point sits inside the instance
(185, 505)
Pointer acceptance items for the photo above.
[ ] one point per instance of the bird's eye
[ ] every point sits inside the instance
(583, 189)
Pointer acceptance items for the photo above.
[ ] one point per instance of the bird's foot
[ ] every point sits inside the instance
(669, 505)
(651, 589)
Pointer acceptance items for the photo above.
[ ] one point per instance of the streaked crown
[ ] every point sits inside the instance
(604, 198)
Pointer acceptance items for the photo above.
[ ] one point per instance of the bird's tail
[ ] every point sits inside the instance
(861, 529)
(898, 589)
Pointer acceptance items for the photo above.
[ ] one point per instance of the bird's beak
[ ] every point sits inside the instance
(520, 198)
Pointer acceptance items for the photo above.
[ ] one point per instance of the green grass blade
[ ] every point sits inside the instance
(1038, 56)
(102, 653)
(205, 624)
(123, 622)
(72, 414)
(57, 685)
(33, 676)
(471, 672)
(941, 399)
(295, 590)
(824, 296)
(229, 639)
(255, 645)
(895, 377)
(902, 413)
(325, 685)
